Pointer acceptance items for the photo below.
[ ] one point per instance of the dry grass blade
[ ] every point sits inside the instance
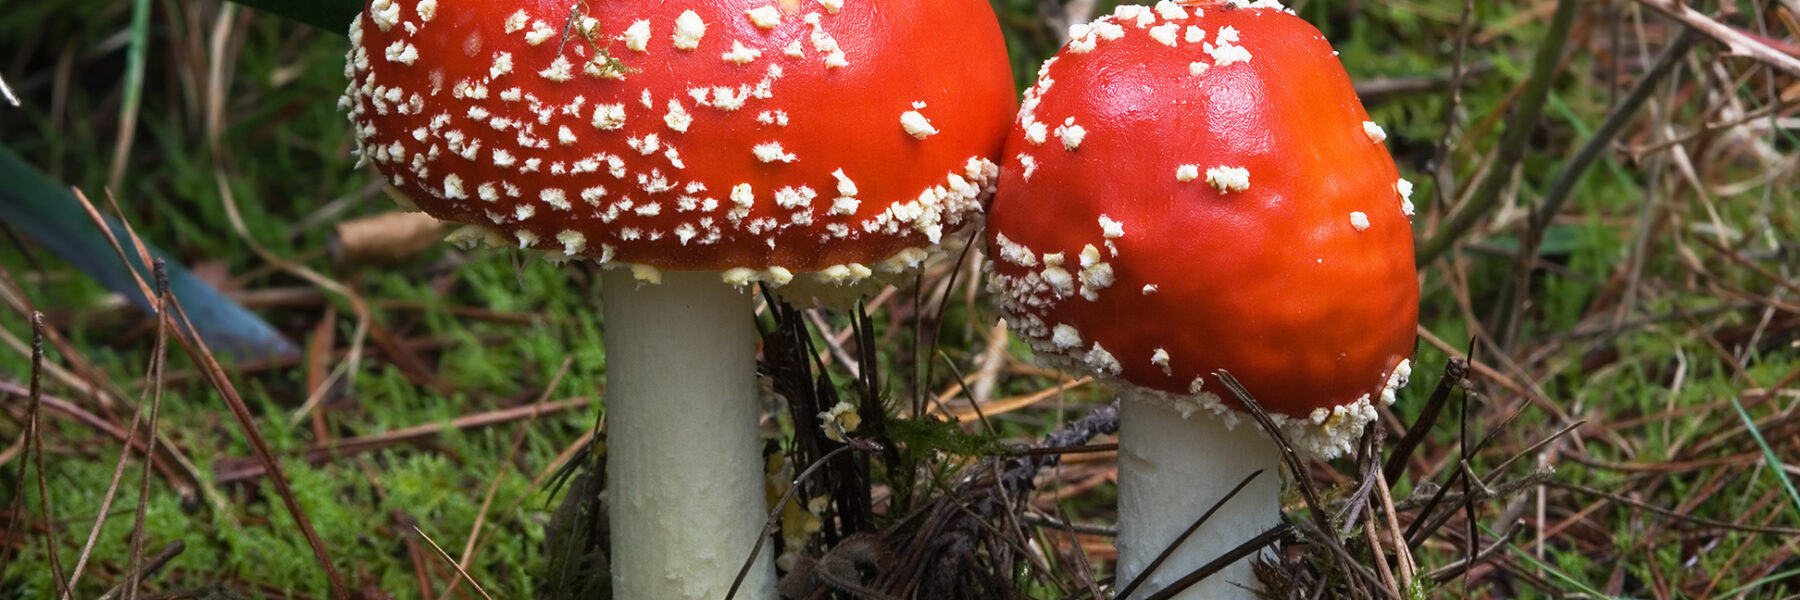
(452, 562)
(1455, 569)
(1455, 371)
(6, 91)
(233, 469)
(1250, 546)
(1408, 565)
(143, 569)
(1324, 534)
(158, 366)
(215, 376)
(1673, 514)
(34, 429)
(106, 499)
(1006, 405)
(1736, 42)
(775, 513)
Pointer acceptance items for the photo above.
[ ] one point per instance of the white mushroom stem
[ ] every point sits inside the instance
(684, 473)
(1171, 470)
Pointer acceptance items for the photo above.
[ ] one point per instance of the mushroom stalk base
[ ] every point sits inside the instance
(684, 477)
(1171, 470)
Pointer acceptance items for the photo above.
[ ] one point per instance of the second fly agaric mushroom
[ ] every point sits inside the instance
(699, 148)
(1190, 188)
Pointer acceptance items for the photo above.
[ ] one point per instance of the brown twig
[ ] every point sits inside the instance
(35, 430)
(235, 469)
(446, 556)
(1737, 43)
(143, 569)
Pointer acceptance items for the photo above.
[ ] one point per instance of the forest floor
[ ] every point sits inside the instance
(1609, 244)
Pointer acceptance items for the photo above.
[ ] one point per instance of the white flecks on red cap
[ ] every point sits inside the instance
(1227, 52)
(517, 21)
(1111, 229)
(1166, 34)
(1359, 220)
(540, 32)
(402, 52)
(1228, 179)
(385, 13)
(1102, 361)
(637, 36)
(916, 124)
(560, 70)
(1031, 166)
(531, 117)
(1036, 133)
(573, 242)
(678, 118)
(554, 197)
(765, 17)
(1096, 274)
(740, 53)
(1013, 252)
(1406, 191)
(1058, 279)
(1171, 11)
(689, 28)
(1374, 131)
(823, 42)
(772, 152)
(1071, 134)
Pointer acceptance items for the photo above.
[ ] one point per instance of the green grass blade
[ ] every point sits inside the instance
(48, 213)
(1559, 575)
(1758, 584)
(1769, 457)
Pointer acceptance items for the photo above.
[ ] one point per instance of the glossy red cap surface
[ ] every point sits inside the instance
(1195, 187)
(751, 134)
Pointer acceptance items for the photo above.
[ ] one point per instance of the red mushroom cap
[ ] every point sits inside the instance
(1191, 188)
(774, 136)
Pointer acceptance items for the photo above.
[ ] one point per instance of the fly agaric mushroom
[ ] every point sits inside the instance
(704, 147)
(1195, 187)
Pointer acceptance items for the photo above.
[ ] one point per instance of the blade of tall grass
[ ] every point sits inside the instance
(49, 214)
(1774, 462)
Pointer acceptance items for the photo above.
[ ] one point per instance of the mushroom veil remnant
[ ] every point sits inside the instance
(694, 149)
(1229, 206)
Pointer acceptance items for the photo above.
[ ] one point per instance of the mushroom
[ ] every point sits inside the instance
(694, 149)
(1191, 188)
